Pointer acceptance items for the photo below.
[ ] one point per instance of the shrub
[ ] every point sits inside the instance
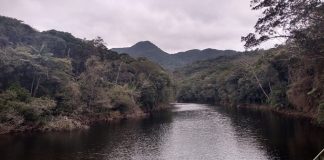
(123, 98)
(37, 108)
(278, 97)
(11, 101)
(148, 97)
(62, 123)
(68, 98)
(21, 93)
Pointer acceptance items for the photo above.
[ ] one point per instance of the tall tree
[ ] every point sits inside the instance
(298, 20)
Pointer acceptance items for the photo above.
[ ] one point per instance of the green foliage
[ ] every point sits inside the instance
(148, 97)
(68, 98)
(123, 98)
(45, 76)
(278, 97)
(21, 94)
(32, 114)
(229, 81)
(161, 83)
(300, 20)
(18, 100)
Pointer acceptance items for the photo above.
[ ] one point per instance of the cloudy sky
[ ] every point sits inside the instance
(173, 25)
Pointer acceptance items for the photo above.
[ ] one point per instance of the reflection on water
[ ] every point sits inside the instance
(188, 131)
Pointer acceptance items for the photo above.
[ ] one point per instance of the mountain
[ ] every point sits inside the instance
(171, 61)
(149, 50)
(144, 48)
(188, 57)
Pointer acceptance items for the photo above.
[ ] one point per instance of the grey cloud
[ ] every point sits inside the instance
(175, 25)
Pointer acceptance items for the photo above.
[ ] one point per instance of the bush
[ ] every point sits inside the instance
(62, 123)
(17, 100)
(36, 109)
(14, 97)
(68, 98)
(21, 94)
(148, 97)
(278, 97)
(123, 98)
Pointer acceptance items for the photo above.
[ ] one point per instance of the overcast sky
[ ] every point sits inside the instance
(173, 25)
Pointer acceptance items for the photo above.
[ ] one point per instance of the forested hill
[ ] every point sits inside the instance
(52, 80)
(282, 78)
(171, 61)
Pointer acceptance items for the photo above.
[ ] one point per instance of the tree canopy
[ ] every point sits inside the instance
(299, 20)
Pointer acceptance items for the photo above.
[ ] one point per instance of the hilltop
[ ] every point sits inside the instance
(171, 61)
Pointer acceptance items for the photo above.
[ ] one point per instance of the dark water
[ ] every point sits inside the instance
(189, 132)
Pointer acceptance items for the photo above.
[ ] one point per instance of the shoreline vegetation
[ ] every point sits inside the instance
(65, 123)
(291, 85)
(284, 112)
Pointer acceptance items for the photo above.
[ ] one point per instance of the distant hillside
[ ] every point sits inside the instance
(171, 61)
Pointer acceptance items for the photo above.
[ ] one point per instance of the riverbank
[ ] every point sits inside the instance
(284, 112)
(310, 116)
(67, 123)
(75, 122)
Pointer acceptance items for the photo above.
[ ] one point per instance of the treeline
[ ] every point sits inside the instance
(52, 81)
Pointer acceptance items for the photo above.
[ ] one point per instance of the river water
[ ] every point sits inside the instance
(186, 132)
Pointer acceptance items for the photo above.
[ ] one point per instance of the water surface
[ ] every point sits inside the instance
(187, 132)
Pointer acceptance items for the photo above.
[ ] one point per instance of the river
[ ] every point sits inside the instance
(185, 132)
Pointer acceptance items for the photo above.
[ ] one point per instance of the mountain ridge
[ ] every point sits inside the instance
(171, 61)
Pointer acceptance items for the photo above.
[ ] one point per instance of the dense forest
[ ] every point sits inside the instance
(53, 81)
(287, 77)
(276, 77)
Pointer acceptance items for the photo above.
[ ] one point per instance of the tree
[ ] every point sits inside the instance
(99, 43)
(299, 20)
(246, 63)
